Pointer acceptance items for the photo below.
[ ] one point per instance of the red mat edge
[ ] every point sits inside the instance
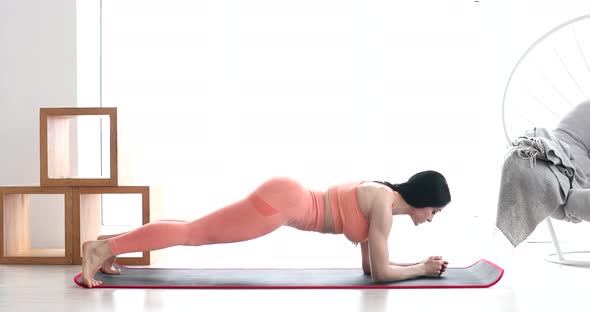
(376, 286)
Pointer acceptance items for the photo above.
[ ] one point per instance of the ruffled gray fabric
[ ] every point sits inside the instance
(538, 175)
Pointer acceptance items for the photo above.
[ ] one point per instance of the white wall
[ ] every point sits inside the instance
(37, 69)
(254, 89)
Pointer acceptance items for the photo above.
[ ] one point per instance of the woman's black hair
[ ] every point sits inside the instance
(424, 189)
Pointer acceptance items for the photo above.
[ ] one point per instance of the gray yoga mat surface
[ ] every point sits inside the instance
(479, 275)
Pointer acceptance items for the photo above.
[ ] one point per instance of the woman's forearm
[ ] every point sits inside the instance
(403, 264)
(398, 273)
(367, 267)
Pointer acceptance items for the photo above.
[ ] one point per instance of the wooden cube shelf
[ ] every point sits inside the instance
(15, 227)
(58, 149)
(87, 217)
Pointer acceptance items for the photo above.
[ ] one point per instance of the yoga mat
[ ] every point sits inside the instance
(481, 274)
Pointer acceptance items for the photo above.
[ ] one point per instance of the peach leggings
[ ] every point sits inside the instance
(277, 202)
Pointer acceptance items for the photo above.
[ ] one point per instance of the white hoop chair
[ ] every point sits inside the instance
(549, 79)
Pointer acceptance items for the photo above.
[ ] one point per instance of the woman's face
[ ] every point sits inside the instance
(421, 215)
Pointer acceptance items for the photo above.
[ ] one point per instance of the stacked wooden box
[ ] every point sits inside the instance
(82, 196)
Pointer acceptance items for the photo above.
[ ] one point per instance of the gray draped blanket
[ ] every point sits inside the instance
(538, 175)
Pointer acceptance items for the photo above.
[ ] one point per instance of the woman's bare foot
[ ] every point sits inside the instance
(107, 266)
(93, 254)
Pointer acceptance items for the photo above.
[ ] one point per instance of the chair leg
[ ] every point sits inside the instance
(555, 240)
(560, 259)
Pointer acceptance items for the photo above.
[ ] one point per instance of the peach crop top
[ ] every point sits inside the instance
(347, 215)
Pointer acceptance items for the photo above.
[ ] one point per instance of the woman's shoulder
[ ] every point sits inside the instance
(374, 186)
(375, 191)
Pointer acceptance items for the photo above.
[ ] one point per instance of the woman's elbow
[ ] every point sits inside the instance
(378, 277)
(366, 269)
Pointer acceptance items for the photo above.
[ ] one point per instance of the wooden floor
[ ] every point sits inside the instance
(529, 284)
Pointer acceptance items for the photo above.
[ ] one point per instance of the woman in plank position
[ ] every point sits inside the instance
(361, 210)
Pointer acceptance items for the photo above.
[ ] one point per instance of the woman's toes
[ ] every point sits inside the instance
(110, 270)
